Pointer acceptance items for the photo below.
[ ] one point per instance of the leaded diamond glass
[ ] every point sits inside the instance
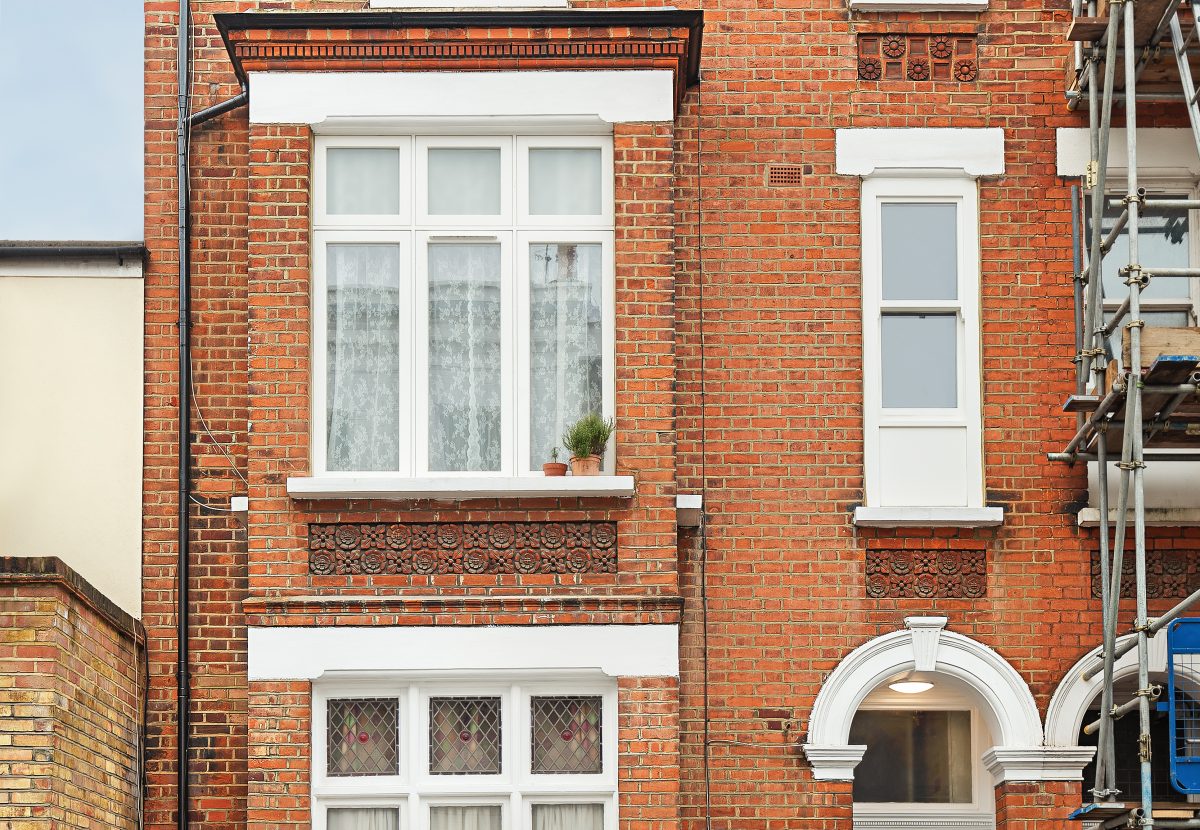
(566, 735)
(464, 735)
(363, 737)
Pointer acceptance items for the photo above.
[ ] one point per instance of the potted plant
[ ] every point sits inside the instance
(554, 467)
(586, 440)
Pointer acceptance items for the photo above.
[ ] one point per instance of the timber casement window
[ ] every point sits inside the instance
(435, 755)
(463, 300)
(923, 444)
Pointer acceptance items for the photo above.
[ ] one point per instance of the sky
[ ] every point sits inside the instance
(71, 120)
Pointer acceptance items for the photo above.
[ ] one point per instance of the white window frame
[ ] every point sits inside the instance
(413, 228)
(515, 788)
(967, 414)
(870, 815)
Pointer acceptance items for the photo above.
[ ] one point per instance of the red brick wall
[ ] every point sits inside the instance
(781, 454)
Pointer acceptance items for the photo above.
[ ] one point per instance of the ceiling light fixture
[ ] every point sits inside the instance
(910, 684)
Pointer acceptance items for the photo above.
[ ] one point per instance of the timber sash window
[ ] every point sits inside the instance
(462, 300)
(921, 342)
(434, 755)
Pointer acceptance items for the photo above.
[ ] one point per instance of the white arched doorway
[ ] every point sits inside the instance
(966, 676)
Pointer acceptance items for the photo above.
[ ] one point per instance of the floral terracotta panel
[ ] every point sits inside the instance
(900, 573)
(463, 548)
(1170, 573)
(919, 58)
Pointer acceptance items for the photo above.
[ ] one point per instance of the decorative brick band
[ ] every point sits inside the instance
(951, 573)
(1169, 573)
(901, 56)
(495, 51)
(463, 548)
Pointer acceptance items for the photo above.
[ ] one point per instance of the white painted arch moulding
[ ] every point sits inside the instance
(924, 645)
(1069, 705)
(294, 653)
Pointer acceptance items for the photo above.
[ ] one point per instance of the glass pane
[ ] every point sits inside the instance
(1162, 241)
(920, 361)
(464, 181)
(566, 363)
(566, 735)
(568, 816)
(362, 180)
(465, 818)
(363, 818)
(464, 357)
(363, 736)
(922, 757)
(564, 181)
(920, 251)
(363, 358)
(464, 735)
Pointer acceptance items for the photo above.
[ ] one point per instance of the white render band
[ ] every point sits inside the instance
(286, 653)
(612, 95)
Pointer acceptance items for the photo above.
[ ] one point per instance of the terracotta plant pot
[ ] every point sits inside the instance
(586, 466)
(554, 468)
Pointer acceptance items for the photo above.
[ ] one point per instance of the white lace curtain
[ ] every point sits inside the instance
(363, 818)
(568, 817)
(566, 329)
(464, 357)
(464, 818)
(363, 354)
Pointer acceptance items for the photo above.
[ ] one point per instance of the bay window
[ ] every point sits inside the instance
(452, 755)
(462, 300)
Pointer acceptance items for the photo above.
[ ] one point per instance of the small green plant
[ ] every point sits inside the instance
(554, 456)
(588, 436)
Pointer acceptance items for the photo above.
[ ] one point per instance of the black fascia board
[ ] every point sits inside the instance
(693, 19)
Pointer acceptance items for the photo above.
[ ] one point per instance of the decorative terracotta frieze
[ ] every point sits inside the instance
(930, 58)
(1169, 573)
(463, 548)
(949, 573)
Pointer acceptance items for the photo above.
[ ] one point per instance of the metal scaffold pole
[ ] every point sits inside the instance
(1136, 403)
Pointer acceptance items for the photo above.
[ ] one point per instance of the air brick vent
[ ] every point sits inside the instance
(785, 175)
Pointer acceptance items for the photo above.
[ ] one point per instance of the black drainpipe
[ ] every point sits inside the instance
(182, 137)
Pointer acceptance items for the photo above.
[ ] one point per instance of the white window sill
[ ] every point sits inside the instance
(1155, 517)
(448, 488)
(928, 516)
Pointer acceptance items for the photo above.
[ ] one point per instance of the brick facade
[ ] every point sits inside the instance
(773, 438)
(72, 682)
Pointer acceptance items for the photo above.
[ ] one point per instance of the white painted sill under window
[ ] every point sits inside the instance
(458, 488)
(928, 516)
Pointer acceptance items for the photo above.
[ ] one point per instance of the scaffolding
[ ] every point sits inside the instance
(1146, 395)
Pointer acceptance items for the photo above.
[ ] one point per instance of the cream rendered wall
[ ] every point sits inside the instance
(71, 421)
